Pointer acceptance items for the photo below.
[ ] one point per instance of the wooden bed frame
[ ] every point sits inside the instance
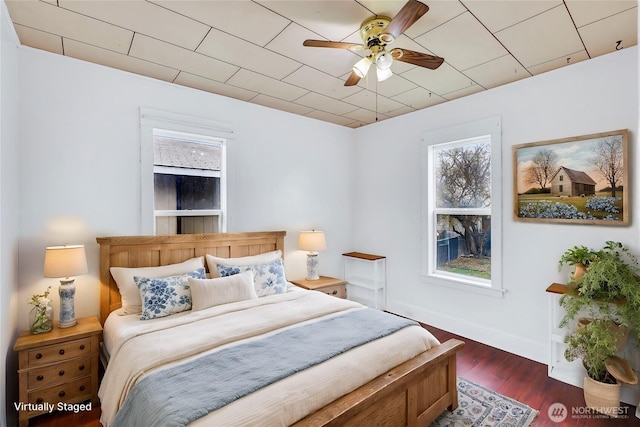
(412, 394)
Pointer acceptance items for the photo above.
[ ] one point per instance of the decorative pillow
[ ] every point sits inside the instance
(206, 293)
(213, 261)
(129, 293)
(164, 296)
(268, 278)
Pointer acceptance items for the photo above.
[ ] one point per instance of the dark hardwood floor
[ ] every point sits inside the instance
(513, 376)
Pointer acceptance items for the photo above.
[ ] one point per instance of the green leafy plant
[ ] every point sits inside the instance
(594, 343)
(578, 254)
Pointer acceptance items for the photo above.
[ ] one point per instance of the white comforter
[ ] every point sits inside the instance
(154, 345)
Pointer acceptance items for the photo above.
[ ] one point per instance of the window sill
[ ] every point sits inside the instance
(461, 285)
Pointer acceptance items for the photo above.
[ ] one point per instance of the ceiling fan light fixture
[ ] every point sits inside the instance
(384, 60)
(383, 73)
(362, 67)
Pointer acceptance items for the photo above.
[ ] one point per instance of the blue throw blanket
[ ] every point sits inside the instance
(179, 395)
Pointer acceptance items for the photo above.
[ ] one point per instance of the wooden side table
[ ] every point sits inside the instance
(57, 368)
(328, 285)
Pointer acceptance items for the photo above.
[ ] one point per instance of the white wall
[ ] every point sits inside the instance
(8, 216)
(79, 167)
(593, 96)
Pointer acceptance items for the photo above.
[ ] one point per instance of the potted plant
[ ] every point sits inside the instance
(578, 256)
(608, 294)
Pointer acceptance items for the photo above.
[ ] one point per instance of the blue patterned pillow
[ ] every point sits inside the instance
(268, 278)
(164, 296)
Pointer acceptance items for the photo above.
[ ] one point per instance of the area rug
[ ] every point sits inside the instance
(480, 407)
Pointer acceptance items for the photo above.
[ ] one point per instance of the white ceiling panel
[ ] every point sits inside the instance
(143, 17)
(497, 15)
(166, 54)
(252, 50)
(39, 39)
(614, 32)
(244, 19)
(105, 57)
(208, 85)
(259, 83)
(463, 42)
(236, 51)
(543, 38)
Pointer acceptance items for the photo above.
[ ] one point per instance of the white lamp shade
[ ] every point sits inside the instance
(384, 60)
(361, 67)
(383, 74)
(313, 241)
(65, 261)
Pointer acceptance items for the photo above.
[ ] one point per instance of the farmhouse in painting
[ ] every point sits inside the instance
(569, 182)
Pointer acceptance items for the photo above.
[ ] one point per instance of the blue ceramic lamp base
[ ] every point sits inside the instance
(67, 291)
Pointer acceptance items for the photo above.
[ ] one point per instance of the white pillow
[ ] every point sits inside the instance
(206, 293)
(213, 261)
(129, 292)
(268, 278)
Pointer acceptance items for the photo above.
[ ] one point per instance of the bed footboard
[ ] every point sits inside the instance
(412, 394)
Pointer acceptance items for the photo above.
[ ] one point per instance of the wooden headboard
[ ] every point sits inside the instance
(153, 251)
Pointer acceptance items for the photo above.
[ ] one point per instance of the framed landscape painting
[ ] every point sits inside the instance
(581, 180)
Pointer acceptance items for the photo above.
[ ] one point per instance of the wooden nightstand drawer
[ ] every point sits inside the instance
(80, 388)
(336, 291)
(47, 375)
(58, 352)
(328, 285)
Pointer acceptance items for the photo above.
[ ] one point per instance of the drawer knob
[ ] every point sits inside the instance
(61, 372)
(334, 292)
(61, 351)
(82, 347)
(39, 377)
(81, 367)
(39, 400)
(61, 394)
(82, 388)
(39, 356)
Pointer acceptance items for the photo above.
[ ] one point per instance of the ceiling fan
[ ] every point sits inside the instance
(376, 34)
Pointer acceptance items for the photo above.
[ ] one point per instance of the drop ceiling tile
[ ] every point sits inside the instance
(497, 15)
(439, 13)
(419, 98)
(247, 55)
(463, 42)
(55, 20)
(365, 116)
(332, 61)
(586, 12)
(543, 38)
(325, 103)
(279, 104)
(108, 58)
(259, 83)
(169, 55)
(144, 18)
(443, 80)
(497, 72)
(208, 85)
(469, 90)
(367, 99)
(320, 82)
(244, 19)
(400, 111)
(329, 117)
(570, 59)
(390, 87)
(603, 36)
(333, 20)
(39, 39)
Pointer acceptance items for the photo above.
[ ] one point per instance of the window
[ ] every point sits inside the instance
(183, 174)
(461, 206)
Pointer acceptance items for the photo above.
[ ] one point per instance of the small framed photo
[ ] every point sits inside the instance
(579, 180)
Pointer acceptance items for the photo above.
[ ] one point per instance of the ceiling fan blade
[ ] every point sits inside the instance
(408, 15)
(417, 58)
(337, 45)
(352, 80)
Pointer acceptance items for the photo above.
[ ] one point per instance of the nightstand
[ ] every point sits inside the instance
(58, 367)
(328, 285)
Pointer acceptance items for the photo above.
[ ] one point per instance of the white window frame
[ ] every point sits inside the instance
(150, 119)
(462, 135)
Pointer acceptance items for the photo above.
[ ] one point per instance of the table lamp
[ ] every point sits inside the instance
(64, 262)
(312, 241)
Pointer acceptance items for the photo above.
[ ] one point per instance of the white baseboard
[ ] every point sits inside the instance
(492, 337)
